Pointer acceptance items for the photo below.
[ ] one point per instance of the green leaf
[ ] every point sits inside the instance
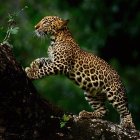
(14, 30)
(62, 124)
(65, 118)
(26, 7)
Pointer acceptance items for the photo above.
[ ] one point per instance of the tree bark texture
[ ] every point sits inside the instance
(24, 115)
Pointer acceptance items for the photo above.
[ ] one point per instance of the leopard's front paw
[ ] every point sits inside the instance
(38, 63)
(30, 73)
(35, 64)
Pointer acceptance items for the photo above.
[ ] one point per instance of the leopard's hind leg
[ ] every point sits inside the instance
(97, 102)
(119, 102)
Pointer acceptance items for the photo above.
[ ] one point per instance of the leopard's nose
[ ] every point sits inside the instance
(36, 26)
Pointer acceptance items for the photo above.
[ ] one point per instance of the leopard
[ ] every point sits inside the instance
(99, 81)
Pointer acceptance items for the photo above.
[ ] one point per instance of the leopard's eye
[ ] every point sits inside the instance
(45, 23)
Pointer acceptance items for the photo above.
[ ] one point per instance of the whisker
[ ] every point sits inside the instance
(41, 35)
(34, 34)
(42, 39)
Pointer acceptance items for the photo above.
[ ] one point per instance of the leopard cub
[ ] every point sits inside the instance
(98, 80)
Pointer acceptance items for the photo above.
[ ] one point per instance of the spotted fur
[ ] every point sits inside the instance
(98, 80)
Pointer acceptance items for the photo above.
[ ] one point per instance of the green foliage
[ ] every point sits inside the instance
(64, 120)
(107, 28)
(14, 30)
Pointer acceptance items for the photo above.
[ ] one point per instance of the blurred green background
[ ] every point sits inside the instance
(110, 29)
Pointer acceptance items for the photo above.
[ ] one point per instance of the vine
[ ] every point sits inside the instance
(12, 28)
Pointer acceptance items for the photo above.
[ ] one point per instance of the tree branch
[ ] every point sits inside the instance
(25, 115)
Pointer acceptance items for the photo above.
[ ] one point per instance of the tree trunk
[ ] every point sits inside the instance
(24, 115)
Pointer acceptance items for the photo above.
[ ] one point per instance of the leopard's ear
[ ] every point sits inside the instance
(66, 21)
(64, 24)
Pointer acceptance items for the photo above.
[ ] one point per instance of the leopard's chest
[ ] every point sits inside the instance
(51, 53)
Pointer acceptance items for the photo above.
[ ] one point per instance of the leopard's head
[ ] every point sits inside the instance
(50, 25)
